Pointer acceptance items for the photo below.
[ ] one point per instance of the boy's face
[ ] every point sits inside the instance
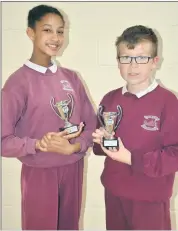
(47, 36)
(136, 73)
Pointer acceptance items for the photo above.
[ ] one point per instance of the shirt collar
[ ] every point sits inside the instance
(41, 69)
(144, 92)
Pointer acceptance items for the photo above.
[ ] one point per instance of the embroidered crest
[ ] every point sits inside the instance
(66, 85)
(150, 123)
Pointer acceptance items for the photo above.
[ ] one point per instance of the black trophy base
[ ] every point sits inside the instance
(71, 129)
(110, 143)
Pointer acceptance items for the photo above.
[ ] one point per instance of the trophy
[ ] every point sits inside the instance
(63, 110)
(110, 121)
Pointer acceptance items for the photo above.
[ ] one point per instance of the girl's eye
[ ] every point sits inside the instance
(47, 30)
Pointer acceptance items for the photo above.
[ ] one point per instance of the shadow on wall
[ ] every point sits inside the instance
(66, 33)
(173, 207)
(62, 50)
(86, 158)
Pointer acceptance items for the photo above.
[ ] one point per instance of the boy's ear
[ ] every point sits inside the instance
(31, 34)
(156, 61)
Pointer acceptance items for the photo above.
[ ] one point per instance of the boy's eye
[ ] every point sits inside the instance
(60, 32)
(141, 57)
(125, 57)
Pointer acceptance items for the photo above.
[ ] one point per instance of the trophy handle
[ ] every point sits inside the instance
(53, 106)
(72, 104)
(119, 114)
(100, 111)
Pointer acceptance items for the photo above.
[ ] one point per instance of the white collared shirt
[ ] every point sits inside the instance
(41, 69)
(144, 92)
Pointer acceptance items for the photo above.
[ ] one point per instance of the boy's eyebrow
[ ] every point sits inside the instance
(140, 54)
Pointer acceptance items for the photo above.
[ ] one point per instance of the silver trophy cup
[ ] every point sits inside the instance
(63, 110)
(110, 121)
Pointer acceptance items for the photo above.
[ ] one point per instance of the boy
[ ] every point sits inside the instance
(138, 176)
(52, 161)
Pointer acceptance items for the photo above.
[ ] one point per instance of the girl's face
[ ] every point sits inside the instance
(48, 35)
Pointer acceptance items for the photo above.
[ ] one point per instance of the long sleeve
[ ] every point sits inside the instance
(165, 160)
(13, 106)
(87, 116)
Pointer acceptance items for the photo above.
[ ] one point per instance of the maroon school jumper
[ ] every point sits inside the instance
(137, 196)
(49, 181)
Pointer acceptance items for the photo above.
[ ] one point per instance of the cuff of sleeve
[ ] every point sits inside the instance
(83, 145)
(137, 162)
(97, 150)
(31, 146)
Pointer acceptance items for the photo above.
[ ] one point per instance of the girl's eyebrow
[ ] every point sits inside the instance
(51, 25)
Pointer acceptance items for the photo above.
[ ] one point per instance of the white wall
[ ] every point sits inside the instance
(93, 31)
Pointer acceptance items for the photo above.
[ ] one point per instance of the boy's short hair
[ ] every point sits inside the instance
(36, 13)
(134, 35)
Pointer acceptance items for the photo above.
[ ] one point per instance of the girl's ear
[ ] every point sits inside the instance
(30, 33)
